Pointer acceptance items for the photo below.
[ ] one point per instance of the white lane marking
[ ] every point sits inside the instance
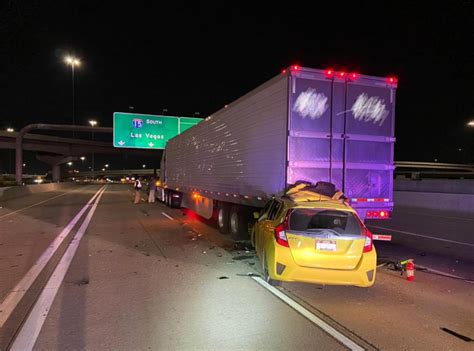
(167, 216)
(14, 296)
(422, 236)
(30, 330)
(444, 273)
(310, 316)
(36, 204)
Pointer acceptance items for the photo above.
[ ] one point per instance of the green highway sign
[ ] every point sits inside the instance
(139, 131)
(187, 122)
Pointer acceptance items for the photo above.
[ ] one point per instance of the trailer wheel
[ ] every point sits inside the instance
(238, 223)
(167, 198)
(223, 218)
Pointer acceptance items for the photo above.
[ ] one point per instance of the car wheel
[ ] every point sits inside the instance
(267, 277)
(223, 218)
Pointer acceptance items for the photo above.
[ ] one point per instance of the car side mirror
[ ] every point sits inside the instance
(256, 215)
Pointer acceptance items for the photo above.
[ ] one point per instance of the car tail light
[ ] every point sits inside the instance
(280, 232)
(368, 245)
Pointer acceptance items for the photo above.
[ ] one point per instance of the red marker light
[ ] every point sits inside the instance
(295, 68)
(353, 76)
(329, 73)
(392, 80)
(342, 74)
(283, 72)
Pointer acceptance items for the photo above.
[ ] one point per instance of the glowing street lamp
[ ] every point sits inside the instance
(144, 166)
(73, 62)
(10, 130)
(69, 163)
(83, 158)
(470, 124)
(107, 165)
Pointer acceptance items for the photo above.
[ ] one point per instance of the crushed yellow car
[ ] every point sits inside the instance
(308, 236)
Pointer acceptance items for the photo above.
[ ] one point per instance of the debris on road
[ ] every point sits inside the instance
(242, 257)
(83, 281)
(223, 277)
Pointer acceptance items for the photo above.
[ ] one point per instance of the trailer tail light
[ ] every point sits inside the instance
(379, 214)
(329, 73)
(392, 80)
(295, 68)
(341, 74)
(353, 76)
(368, 245)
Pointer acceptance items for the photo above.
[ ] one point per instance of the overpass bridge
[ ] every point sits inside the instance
(55, 150)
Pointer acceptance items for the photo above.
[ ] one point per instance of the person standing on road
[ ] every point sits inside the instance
(137, 185)
(151, 190)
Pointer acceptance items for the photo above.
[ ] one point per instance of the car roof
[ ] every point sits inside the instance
(311, 199)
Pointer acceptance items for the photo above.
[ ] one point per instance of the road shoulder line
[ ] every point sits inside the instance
(8, 305)
(309, 315)
(31, 328)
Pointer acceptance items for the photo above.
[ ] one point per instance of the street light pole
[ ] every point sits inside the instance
(73, 103)
(93, 123)
(73, 62)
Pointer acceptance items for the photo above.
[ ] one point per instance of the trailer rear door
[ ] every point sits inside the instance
(341, 130)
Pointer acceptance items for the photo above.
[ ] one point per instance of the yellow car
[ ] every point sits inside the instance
(305, 236)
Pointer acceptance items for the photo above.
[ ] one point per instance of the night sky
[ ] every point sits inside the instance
(197, 58)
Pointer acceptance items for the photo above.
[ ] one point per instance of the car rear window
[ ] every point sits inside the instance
(320, 220)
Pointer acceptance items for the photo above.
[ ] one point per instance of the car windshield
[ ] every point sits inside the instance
(324, 221)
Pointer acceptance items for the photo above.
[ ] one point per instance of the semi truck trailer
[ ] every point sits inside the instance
(305, 124)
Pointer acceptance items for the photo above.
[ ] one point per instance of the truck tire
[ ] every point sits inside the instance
(175, 202)
(167, 198)
(238, 223)
(223, 218)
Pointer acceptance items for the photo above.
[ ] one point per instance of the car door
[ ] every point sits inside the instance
(261, 227)
(268, 226)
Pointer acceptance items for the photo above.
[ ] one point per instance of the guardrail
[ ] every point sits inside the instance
(419, 170)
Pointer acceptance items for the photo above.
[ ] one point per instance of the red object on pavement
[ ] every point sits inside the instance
(410, 268)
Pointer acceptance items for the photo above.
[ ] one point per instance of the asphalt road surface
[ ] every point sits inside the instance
(145, 277)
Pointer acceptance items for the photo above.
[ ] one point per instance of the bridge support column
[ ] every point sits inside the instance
(55, 162)
(56, 173)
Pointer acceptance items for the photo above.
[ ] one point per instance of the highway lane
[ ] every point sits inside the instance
(28, 227)
(140, 281)
(441, 232)
(149, 277)
(29, 224)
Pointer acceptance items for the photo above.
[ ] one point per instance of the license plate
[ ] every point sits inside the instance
(326, 245)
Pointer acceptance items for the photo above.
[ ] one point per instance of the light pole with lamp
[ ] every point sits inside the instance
(93, 123)
(73, 62)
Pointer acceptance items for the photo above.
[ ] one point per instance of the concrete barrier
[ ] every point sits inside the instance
(462, 204)
(13, 192)
(450, 186)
